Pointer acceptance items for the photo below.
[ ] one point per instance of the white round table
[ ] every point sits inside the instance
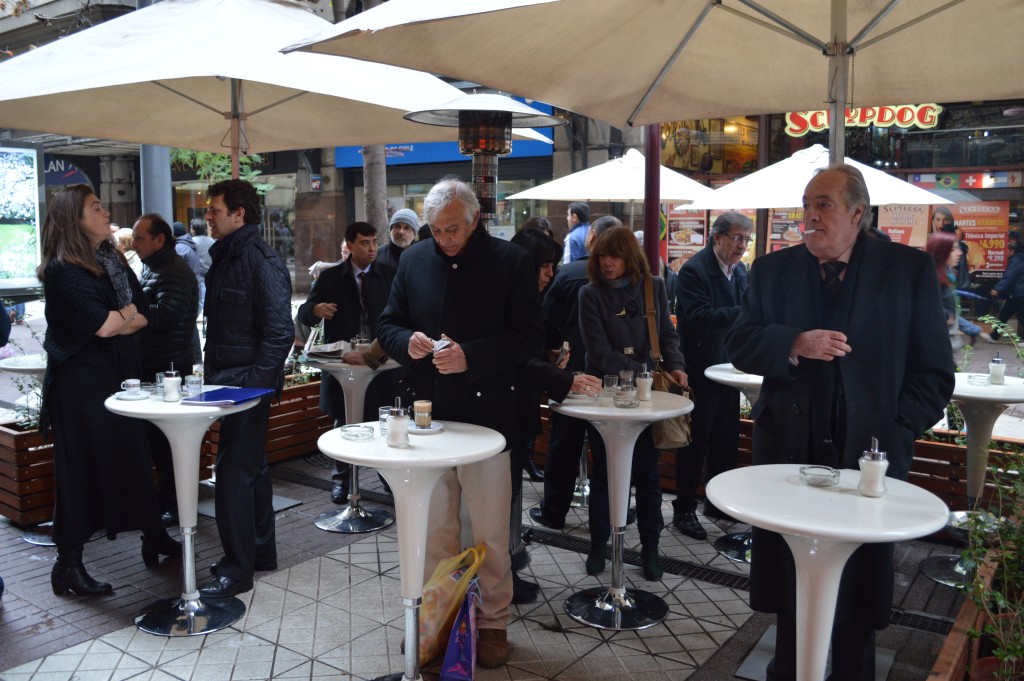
(184, 425)
(738, 545)
(616, 607)
(354, 379)
(412, 473)
(26, 365)
(35, 366)
(981, 403)
(822, 528)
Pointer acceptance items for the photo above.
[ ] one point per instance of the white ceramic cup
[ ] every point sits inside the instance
(131, 386)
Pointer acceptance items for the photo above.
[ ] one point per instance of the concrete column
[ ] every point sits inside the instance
(155, 176)
(117, 188)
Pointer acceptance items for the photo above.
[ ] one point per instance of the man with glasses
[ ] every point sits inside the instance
(248, 336)
(709, 289)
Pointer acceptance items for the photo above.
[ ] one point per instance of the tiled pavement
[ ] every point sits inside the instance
(332, 610)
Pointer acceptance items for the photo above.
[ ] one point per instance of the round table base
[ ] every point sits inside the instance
(354, 520)
(42, 534)
(602, 608)
(180, 617)
(735, 547)
(951, 570)
(400, 676)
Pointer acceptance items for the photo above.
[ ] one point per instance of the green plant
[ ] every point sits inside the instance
(995, 534)
(211, 167)
(1005, 329)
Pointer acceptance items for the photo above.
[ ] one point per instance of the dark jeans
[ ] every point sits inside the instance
(565, 446)
(648, 492)
(160, 450)
(716, 439)
(1012, 306)
(244, 497)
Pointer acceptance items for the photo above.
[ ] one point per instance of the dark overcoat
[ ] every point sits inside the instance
(893, 385)
(485, 299)
(707, 304)
(338, 285)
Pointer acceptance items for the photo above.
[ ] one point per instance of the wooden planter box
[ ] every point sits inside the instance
(296, 423)
(26, 475)
(26, 460)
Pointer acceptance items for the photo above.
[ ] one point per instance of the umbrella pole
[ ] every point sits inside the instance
(652, 194)
(839, 80)
(236, 125)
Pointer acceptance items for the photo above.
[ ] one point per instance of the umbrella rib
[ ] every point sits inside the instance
(277, 103)
(671, 60)
(182, 94)
(784, 27)
(870, 26)
(912, 22)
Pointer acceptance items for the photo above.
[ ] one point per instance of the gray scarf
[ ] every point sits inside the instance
(118, 273)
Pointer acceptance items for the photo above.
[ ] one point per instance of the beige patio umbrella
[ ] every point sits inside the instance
(634, 62)
(208, 75)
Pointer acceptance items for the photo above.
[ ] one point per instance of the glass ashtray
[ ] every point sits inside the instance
(819, 476)
(357, 433)
(978, 379)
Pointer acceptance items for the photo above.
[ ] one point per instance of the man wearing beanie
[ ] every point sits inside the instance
(404, 225)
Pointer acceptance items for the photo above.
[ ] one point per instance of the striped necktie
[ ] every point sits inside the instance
(831, 272)
(364, 294)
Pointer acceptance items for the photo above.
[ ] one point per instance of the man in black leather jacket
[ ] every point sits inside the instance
(166, 342)
(249, 334)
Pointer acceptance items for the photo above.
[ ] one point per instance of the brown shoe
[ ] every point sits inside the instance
(492, 648)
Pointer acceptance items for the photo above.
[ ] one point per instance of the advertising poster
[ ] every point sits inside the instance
(985, 226)
(907, 225)
(785, 228)
(19, 212)
(687, 230)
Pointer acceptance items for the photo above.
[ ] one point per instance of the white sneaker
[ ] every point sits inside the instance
(988, 337)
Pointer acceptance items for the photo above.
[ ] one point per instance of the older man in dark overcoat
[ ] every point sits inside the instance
(845, 330)
(479, 293)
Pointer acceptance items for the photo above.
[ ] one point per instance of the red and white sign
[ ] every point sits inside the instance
(923, 116)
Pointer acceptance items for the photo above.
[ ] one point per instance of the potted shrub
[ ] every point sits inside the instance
(995, 535)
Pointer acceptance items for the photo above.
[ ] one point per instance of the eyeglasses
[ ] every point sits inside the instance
(739, 238)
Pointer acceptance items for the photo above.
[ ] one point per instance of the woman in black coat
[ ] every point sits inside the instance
(102, 465)
(616, 337)
(537, 377)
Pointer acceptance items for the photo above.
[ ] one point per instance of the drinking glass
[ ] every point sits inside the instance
(382, 414)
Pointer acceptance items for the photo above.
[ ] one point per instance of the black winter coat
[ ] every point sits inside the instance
(173, 297)
(485, 299)
(562, 311)
(249, 330)
(338, 285)
(707, 304)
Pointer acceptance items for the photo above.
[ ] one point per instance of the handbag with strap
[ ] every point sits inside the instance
(675, 432)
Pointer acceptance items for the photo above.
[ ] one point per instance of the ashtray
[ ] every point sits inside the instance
(819, 476)
(357, 433)
(978, 379)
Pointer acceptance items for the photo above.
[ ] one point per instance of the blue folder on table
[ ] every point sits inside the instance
(226, 396)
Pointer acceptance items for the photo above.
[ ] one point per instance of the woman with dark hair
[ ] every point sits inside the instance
(615, 336)
(102, 466)
(942, 246)
(540, 224)
(539, 375)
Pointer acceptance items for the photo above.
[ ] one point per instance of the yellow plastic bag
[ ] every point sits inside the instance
(442, 595)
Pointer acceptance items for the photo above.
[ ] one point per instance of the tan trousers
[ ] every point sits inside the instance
(486, 490)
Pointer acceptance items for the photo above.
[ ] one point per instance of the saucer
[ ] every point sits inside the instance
(581, 397)
(435, 427)
(141, 395)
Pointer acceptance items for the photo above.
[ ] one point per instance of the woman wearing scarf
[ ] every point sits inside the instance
(615, 336)
(102, 466)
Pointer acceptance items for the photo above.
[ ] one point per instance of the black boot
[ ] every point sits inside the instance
(158, 543)
(530, 466)
(69, 574)
(522, 590)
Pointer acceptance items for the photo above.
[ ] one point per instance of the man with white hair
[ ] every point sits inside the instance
(480, 294)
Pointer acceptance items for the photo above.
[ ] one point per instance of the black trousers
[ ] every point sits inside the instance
(853, 652)
(244, 497)
(1012, 306)
(714, 447)
(648, 491)
(565, 446)
(160, 450)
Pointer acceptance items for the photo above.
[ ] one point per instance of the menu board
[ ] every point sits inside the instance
(985, 226)
(687, 231)
(785, 228)
(907, 225)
